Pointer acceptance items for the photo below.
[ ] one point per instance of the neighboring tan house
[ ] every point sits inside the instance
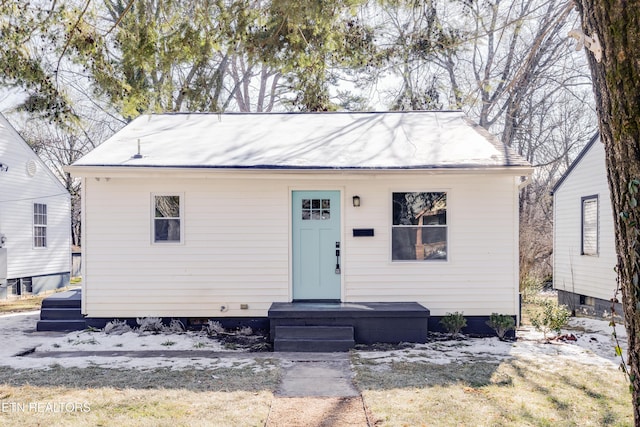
(584, 256)
(229, 215)
(35, 220)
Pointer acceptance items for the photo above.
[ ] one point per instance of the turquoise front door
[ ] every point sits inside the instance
(316, 245)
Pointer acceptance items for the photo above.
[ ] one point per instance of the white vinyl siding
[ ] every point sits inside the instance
(230, 255)
(20, 191)
(481, 272)
(584, 275)
(236, 250)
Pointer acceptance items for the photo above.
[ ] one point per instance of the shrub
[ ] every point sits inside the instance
(175, 327)
(453, 322)
(213, 327)
(117, 327)
(149, 324)
(551, 317)
(245, 331)
(530, 288)
(501, 324)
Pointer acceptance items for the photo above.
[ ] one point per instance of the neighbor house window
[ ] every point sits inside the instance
(39, 225)
(167, 224)
(590, 225)
(419, 229)
(20, 286)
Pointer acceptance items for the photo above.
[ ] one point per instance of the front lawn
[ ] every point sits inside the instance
(516, 392)
(26, 303)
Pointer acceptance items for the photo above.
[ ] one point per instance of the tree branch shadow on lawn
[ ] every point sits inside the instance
(507, 392)
(264, 375)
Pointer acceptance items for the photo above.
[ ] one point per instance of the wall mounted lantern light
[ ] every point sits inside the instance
(4, 168)
(356, 201)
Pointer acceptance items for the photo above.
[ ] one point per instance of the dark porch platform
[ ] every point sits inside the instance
(372, 322)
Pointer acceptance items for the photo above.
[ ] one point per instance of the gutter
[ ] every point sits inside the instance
(150, 170)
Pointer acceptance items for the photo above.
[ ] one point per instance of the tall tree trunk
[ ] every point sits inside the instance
(616, 82)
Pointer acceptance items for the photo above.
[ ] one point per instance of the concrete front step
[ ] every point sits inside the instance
(60, 313)
(314, 332)
(313, 338)
(61, 325)
(312, 346)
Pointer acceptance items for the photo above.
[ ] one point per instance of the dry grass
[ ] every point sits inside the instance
(160, 397)
(26, 302)
(486, 394)
(29, 303)
(108, 406)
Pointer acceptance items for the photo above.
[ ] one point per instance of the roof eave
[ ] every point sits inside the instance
(119, 170)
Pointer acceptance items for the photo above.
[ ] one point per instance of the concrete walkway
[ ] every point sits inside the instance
(317, 390)
(316, 375)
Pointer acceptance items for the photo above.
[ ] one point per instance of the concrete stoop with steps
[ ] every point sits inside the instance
(329, 327)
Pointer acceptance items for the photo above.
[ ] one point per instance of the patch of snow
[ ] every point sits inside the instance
(131, 341)
(594, 345)
(18, 334)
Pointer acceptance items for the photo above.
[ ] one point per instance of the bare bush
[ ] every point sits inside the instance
(117, 327)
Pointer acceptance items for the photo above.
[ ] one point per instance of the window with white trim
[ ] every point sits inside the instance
(419, 228)
(39, 225)
(167, 222)
(589, 225)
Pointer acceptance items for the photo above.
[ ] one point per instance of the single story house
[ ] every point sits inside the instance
(35, 220)
(584, 254)
(237, 215)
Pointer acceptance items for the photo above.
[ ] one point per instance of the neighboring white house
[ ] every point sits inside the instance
(584, 254)
(201, 215)
(35, 220)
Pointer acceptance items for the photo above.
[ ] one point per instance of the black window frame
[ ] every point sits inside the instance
(398, 254)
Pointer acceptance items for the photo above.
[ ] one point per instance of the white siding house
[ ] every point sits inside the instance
(584, 254)
(215, 215)
(35, 220)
